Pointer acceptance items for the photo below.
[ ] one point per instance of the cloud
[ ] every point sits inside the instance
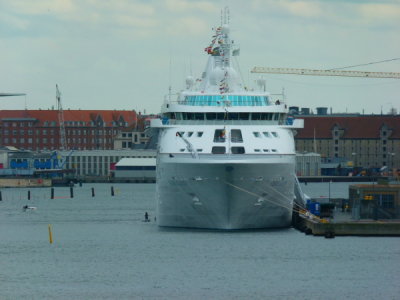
(14, 22)
(301, 8)
(380, 12)
(185, 6)
(187, 26)
(42, 7)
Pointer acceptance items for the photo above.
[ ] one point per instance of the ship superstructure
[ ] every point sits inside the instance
(226, 154)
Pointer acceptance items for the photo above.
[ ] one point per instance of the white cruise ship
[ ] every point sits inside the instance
(226, 153)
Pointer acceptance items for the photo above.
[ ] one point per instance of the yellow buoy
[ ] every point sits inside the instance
(50, 235)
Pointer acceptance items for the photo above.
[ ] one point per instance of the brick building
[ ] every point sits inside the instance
(84, 129)
(369, 141)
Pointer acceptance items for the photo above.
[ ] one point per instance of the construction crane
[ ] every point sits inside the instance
(11, 94)
(63, 140)
(311, 72)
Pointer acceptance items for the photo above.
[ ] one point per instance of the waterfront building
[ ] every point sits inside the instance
(308, 164)
(367, 141)
(375, 201)
(100, 162)
(84, 129)
(76, 163)
(130, 139)
(136, 168)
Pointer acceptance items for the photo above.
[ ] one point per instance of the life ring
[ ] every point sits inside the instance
(40, 181)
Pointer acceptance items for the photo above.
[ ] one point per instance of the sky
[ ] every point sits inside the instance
(124, 54)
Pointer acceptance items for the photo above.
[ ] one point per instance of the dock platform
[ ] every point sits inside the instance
(353, 228)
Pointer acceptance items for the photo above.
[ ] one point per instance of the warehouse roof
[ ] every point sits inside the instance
(367, 127)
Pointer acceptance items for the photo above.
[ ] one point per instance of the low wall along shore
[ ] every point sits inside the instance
(24, 182)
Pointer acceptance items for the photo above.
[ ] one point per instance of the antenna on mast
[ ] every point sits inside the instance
(225, 16)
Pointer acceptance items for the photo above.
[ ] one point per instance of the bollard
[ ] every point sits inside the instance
(92, 192)
(52, 193)
(50, 235)
(112, 191)
(29, 195)
(80, 183)
(71, 192)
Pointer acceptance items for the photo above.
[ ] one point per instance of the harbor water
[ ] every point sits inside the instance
(103, 249)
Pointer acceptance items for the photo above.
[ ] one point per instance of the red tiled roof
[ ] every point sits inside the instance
(72, 115)
(367, 127)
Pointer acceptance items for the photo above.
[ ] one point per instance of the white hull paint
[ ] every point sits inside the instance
(241, 194)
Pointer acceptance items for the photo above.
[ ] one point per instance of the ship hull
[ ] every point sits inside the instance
(219, 194)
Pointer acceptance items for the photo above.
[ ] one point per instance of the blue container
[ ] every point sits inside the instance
(315, 208)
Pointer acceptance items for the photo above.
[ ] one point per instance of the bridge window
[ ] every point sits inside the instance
(266, 134)
(236, 136)
(237, 150)
(219, 135)
(256, 134)
(200, 134)
(274, 134)
(218, 150)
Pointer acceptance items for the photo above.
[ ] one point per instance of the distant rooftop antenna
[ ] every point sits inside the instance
(225, 15)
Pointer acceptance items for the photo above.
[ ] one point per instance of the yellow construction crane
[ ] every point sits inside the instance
(311, 72)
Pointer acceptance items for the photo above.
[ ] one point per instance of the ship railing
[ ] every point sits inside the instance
(220, 103)
(223, 122)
